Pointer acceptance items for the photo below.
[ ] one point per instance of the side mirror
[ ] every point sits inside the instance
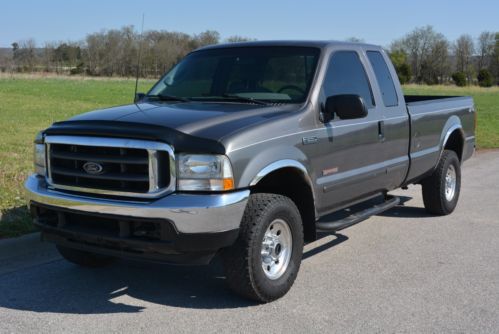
(138, 97)
(346, 106)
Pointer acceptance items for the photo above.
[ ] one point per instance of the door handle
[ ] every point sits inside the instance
(381, 130)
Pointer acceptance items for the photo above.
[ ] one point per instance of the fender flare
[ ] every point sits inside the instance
(280, 164)
(287, 163)
(455, 126)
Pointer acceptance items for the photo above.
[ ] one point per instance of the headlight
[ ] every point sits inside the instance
(199, 172)
(39, 155)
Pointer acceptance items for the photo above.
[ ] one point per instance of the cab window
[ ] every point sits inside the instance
(384, 78)
(346, 75)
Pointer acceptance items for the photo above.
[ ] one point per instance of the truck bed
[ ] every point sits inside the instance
(432, 118)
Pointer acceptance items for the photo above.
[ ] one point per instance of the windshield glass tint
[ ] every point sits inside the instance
(274, 74)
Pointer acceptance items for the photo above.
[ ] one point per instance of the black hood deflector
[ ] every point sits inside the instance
(103, 128)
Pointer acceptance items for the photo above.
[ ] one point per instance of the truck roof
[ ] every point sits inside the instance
(302, 43)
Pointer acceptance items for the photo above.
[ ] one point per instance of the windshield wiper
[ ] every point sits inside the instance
(245, 99)
(164, 97)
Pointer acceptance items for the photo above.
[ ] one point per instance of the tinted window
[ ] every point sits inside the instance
(384, 78)
(346, 75)
(280, 74)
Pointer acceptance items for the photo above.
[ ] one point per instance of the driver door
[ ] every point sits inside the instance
(350, 166)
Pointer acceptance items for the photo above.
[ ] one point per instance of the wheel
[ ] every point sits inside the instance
(85, 259)
(441, 189)
(263, 263)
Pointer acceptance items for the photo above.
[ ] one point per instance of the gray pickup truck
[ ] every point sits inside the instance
(241, 150)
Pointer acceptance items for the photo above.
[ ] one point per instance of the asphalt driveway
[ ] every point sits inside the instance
(402, 271)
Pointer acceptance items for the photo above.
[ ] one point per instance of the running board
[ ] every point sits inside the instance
(357, 217)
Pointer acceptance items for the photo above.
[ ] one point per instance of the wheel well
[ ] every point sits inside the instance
(290, 182)
(455, 143)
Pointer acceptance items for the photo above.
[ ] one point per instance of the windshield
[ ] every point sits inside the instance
(270, 74)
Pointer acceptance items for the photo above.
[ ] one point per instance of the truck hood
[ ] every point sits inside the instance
(208, 120)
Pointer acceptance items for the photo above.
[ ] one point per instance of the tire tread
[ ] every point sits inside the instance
(237, 259)
(434, 190)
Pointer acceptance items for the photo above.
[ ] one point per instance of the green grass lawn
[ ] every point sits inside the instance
(28, 105)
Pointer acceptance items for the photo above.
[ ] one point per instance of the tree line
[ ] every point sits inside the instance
(421, 56)
(112, 52)
(426, 56)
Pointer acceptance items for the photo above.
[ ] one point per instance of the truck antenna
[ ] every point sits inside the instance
(139, 52)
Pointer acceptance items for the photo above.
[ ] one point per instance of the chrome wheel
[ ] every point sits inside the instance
(276, 250)
(450, 183)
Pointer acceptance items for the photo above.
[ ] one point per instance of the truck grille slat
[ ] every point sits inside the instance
(112, 176)
(110, 166)
(97, 158)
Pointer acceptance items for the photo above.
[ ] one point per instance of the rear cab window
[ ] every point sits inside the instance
(384, 78)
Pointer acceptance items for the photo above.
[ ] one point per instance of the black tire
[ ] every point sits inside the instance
(85, 259)
(434, 186)
(243, 260)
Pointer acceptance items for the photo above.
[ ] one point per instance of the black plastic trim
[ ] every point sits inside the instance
(185, 248)
(181, 141)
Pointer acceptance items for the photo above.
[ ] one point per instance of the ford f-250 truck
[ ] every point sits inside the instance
(239, 150)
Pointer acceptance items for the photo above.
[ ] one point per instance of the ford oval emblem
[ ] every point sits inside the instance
(93, 168)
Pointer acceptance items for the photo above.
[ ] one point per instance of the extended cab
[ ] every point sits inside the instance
(240, 150)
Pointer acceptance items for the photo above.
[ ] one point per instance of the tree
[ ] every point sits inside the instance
(484, 78)
(95, 53)
(494, 66)
(436, 67)
(238, 39)
(67, 55)
(15, 55)
(208, 37)
(426, 52)
(164, 49)
(130, 44)
(24, 55)
(399, 61)
(111, 52)
(15, 48)
(463, 51)
(459, 79)
(485, 48)
(48, 56)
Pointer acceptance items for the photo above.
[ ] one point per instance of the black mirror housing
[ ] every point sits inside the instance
(346, 106)
(138, 97)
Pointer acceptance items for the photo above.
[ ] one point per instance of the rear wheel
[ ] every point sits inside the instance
(85, 259)
(263, 263)
(441, 189)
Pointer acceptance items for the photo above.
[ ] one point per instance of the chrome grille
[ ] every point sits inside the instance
(113, 166)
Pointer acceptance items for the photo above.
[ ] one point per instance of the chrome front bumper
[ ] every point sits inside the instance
(190, 213)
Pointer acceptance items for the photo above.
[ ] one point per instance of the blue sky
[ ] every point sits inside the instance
(377, 21)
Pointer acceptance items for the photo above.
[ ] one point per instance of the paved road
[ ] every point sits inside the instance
(403, 271)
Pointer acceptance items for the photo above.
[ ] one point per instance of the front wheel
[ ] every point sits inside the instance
(441, 189)
(264, 261)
